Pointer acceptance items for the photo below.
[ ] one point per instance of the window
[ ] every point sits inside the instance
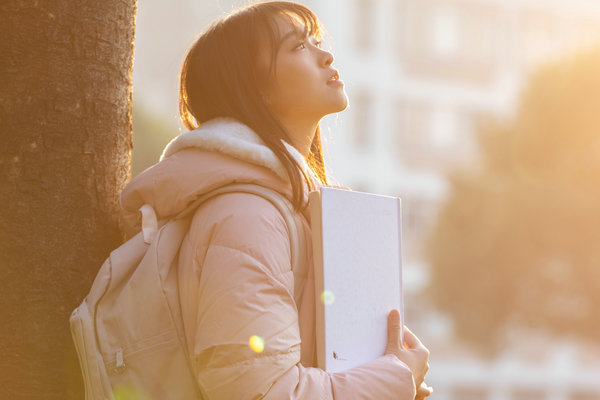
(584, 395)
(444, 128)
(415, 215)
(361, 115)
(432, 136)
(364, 26)
(412, 122)
(469, 393)
(528, 394)
(445, 32)
(451, 40)
(415, 134)
(419, 214)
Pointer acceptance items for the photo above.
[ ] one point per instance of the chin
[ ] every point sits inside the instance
(341, 103)
(345, 103)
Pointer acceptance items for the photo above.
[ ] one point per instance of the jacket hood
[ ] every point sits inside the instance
(220, 152)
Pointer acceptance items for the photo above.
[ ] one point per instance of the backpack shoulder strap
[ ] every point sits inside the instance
(280, 202)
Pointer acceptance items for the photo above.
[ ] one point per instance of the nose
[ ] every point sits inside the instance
(326, 58)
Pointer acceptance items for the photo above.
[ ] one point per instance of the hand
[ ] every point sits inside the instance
(423, 391)
(412, 353)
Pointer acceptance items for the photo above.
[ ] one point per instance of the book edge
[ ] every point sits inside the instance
(317, 236)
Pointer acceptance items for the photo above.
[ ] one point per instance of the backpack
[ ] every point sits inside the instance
(128, 331)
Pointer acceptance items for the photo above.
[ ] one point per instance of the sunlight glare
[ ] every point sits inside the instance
(256, 343)
(327, 297)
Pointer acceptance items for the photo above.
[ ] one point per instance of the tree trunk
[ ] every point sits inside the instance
(65, 118)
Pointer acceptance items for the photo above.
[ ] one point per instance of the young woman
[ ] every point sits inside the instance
(253, 89)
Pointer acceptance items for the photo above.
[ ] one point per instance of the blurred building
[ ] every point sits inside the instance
(420, 74)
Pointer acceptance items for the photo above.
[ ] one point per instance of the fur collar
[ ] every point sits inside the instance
(230, 137)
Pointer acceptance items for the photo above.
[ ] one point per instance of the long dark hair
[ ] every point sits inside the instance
(220, 78)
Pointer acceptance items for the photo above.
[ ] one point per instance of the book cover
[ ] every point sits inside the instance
(358, 274)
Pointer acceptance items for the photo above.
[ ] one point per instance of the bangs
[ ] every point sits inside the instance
(296, 13)
(300, 15)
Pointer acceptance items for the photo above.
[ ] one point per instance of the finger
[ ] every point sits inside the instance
(423, 391)
(411, 341)
(394, 319)
(393, 329)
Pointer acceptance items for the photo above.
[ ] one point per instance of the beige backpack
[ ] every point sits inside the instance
(128, 331)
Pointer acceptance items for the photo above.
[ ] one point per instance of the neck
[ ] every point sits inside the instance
(301, 135)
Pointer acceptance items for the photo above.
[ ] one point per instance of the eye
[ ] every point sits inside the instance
(300, 46)
(318, 43)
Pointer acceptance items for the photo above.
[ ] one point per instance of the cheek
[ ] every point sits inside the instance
(276, 91)
(287, 74)
(294, 79)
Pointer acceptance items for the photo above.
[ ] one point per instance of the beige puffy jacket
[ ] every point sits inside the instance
(235, 277)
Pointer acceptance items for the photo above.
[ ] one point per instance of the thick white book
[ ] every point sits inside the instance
(358, 274)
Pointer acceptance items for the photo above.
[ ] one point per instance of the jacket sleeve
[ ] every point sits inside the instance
(243, 290)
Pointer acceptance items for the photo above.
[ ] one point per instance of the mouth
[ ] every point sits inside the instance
(334, 78)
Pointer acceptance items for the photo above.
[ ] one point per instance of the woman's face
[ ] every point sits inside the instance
(304, 87)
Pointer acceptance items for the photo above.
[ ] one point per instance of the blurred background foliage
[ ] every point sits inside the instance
(151, 133)
(516, 245)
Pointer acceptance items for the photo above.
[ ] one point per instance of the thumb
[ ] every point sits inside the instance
(410, 340)
(393, 330)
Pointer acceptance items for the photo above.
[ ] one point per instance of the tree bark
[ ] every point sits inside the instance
(65, 123)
